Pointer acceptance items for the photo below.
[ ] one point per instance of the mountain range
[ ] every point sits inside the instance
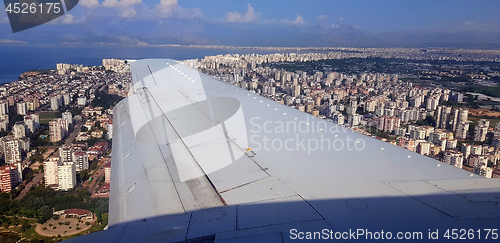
(201, 32)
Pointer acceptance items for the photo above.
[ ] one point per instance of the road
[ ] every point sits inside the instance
(95, 178)
(36, 181)
(50, 149)
(73, 134)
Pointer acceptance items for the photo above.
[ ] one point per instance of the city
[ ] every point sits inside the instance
(428, 119)
(56, 130)
(259, 121)
(57, 125)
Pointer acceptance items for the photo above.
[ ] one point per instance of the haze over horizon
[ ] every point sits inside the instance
(360, 23)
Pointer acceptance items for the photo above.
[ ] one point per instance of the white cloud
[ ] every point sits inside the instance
(3, 17)
(7, 41)
(468, 23)
(321, 17)
(171, 9)
(119, 3)
(128, 13)
(249, 16)
(297, 21)
(166, 7)
(125, 7)
(67, 19)
(89, 3)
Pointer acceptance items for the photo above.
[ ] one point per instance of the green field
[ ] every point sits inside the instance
(47, 116)
(490, 91)
(493, 120)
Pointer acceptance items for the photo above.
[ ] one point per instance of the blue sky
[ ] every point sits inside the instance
(388, 15)
(213, 22)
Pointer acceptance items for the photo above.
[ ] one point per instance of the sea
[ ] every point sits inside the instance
(17, 59)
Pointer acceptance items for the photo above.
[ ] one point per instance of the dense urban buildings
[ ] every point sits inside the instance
(431, 120)
(425, 118)
(9, 178)
(55, 124)
(47, 109)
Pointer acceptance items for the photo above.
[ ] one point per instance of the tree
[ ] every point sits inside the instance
(76, 111)
(430, 121)
(28, 174)
(25, 226)
(93, 166)
(83, 175)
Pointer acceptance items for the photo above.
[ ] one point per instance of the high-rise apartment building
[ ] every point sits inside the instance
(11, 148)
(66, 174)
(480, 132)
(423, 148)
(9, 177)
(58, 129)
(463, 115)
(483, 170)
(55, 102)
(477, 160)
(81, 159)
(455, 120)
(110, 129)
(75, 155)
(4, 107)
(32, 123)
(66, 99)
(32, 104)
(50, 172)
(68, 117)
(454, 158)
(445, 117)
(19, 129)
(107, 173)
(388, 123)
(462, 130)
(21, 108)
(438, 116)
(66, 153)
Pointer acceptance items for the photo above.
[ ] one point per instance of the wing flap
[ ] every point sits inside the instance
(481, 204)
(264, 189)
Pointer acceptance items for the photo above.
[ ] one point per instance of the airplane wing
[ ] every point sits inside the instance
(198, 160)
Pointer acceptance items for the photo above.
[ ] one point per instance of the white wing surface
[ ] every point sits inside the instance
(198, 160)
